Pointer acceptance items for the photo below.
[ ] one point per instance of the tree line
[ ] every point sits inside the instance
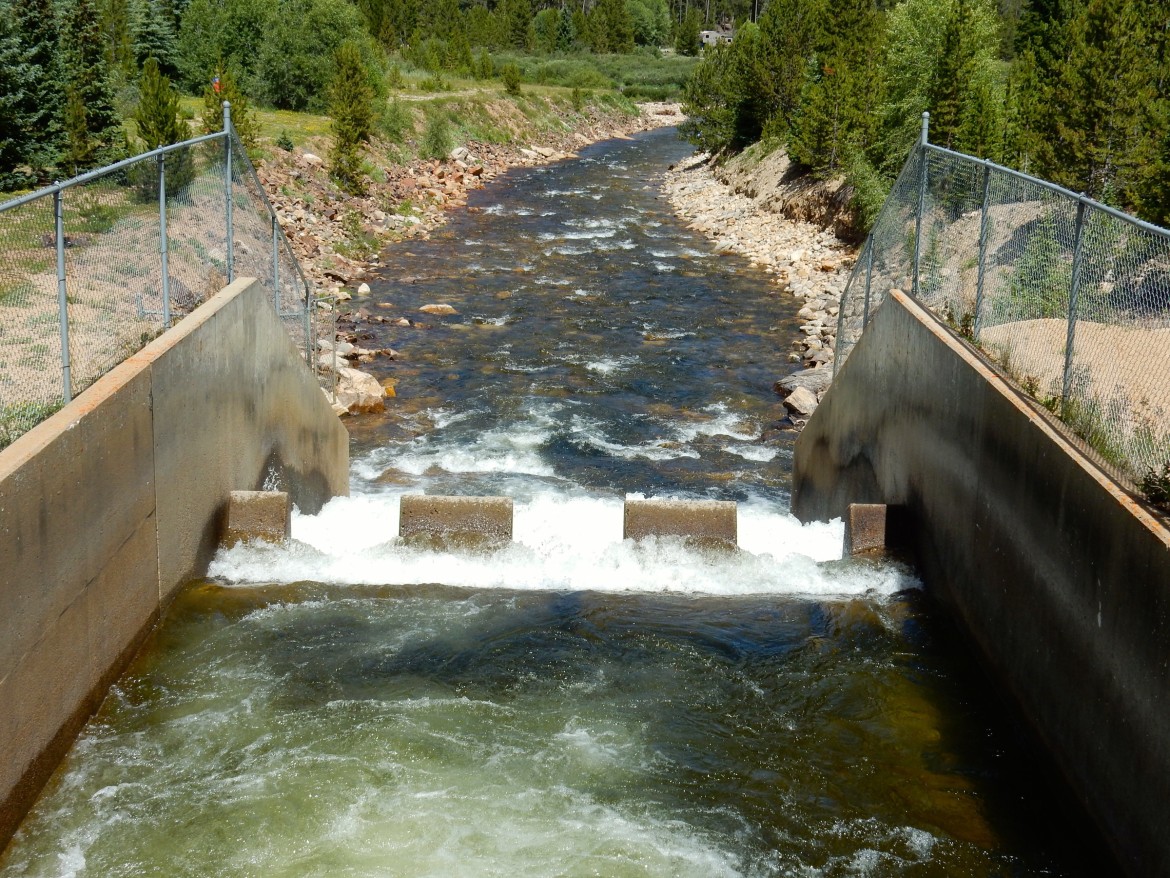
(71, 70)
(1074, 91)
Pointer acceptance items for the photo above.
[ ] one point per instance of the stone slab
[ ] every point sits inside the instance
(706, 520)
(258, 515)
(440, 516)
(865, 528)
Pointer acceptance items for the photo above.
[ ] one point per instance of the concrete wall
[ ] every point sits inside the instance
(1062, 580)
(114, 502)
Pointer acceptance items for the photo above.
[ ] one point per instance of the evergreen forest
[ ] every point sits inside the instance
(1074, 91)
(73, 72)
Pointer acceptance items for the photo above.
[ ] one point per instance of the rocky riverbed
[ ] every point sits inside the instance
(748, 208)
(338, 237)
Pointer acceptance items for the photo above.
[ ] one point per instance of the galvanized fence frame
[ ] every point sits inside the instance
(293, 297)
(1067, 295)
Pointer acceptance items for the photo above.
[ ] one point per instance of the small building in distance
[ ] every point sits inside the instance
(719, 37)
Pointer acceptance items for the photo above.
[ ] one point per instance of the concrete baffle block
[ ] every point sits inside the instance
(865, 528)
(258, 515)
(477, 518)
(705, 521)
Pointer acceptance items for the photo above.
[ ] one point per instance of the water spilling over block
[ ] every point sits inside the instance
(707, 521)
(258, 515)
(865, 528)
(482, 518)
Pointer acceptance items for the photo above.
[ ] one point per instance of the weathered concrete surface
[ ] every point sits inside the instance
(108, 506)
(865, 528)
(1060, 577)
(429, 515)
(238, 373)
(265, 516)
(712, 521)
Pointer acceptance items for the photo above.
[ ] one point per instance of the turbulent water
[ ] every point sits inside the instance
(574, 704)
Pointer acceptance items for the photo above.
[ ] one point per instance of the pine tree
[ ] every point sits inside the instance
(351, 107)
(158, 123)
(243, 116)
(686, 41)
(518, 15)
(115, 16)
(38, 31)
(16, 109)
(154, 36)
(838, 107)
(1098, 101)
(157, 114)
(79, 146)
(565, 33)
(89, 80)
(611, 27)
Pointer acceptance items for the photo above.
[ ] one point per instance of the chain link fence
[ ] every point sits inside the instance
(94, 268)
(1069, 297)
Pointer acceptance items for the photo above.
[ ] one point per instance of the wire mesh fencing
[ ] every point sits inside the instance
(94, 268)
(1068, 296)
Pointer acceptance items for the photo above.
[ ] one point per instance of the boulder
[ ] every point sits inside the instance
(359, 391)
(816, 380)
(438, 309)
(802, 401)
(363, 289)
(311, 159)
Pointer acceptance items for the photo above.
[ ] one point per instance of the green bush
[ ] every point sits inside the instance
(395, 122)
(437, 141)
(510, 74)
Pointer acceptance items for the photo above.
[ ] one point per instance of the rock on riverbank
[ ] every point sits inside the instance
(747, 211)
(337, 237)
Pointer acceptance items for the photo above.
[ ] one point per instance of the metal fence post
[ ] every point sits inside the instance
(922, 141)
(162, 244)
(1074, 289)
(983, 223)
(227, 184)
(275, 265)
(62, 294)
(868, 281)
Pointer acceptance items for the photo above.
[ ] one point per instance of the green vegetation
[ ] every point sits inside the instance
(1071, 90)
(351, 105)
(18, 418)
(72, 75)
(1156, 486)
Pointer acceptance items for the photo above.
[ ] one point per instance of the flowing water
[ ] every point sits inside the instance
(571, 705)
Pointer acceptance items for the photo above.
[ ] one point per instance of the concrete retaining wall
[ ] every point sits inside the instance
(114, 502)
(1062, 580)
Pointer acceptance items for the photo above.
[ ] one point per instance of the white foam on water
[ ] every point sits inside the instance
(609, 365)
(562, 542)
(718, 421)
(758, 453)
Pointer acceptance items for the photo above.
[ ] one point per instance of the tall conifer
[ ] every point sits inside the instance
(154, 36)
(38, 31)
(89, 80)
(15, 107)
(351, 106)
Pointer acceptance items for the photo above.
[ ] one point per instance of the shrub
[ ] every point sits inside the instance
(396, 121)
(437, 141)
(1155, 484)
(284, 141)
(510, 74)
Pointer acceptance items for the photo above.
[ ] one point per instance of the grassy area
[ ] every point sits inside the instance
(472, 109)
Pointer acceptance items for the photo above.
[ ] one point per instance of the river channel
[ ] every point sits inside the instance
(572, 705)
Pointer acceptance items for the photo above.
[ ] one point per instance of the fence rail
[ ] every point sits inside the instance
(93, 268)
(1069, 296)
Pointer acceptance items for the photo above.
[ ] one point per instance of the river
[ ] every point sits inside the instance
(570, 705)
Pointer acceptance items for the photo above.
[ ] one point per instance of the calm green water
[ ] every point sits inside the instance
(572, 705)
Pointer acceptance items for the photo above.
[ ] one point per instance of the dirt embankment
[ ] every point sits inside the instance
(796, 229)
(337, 237)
